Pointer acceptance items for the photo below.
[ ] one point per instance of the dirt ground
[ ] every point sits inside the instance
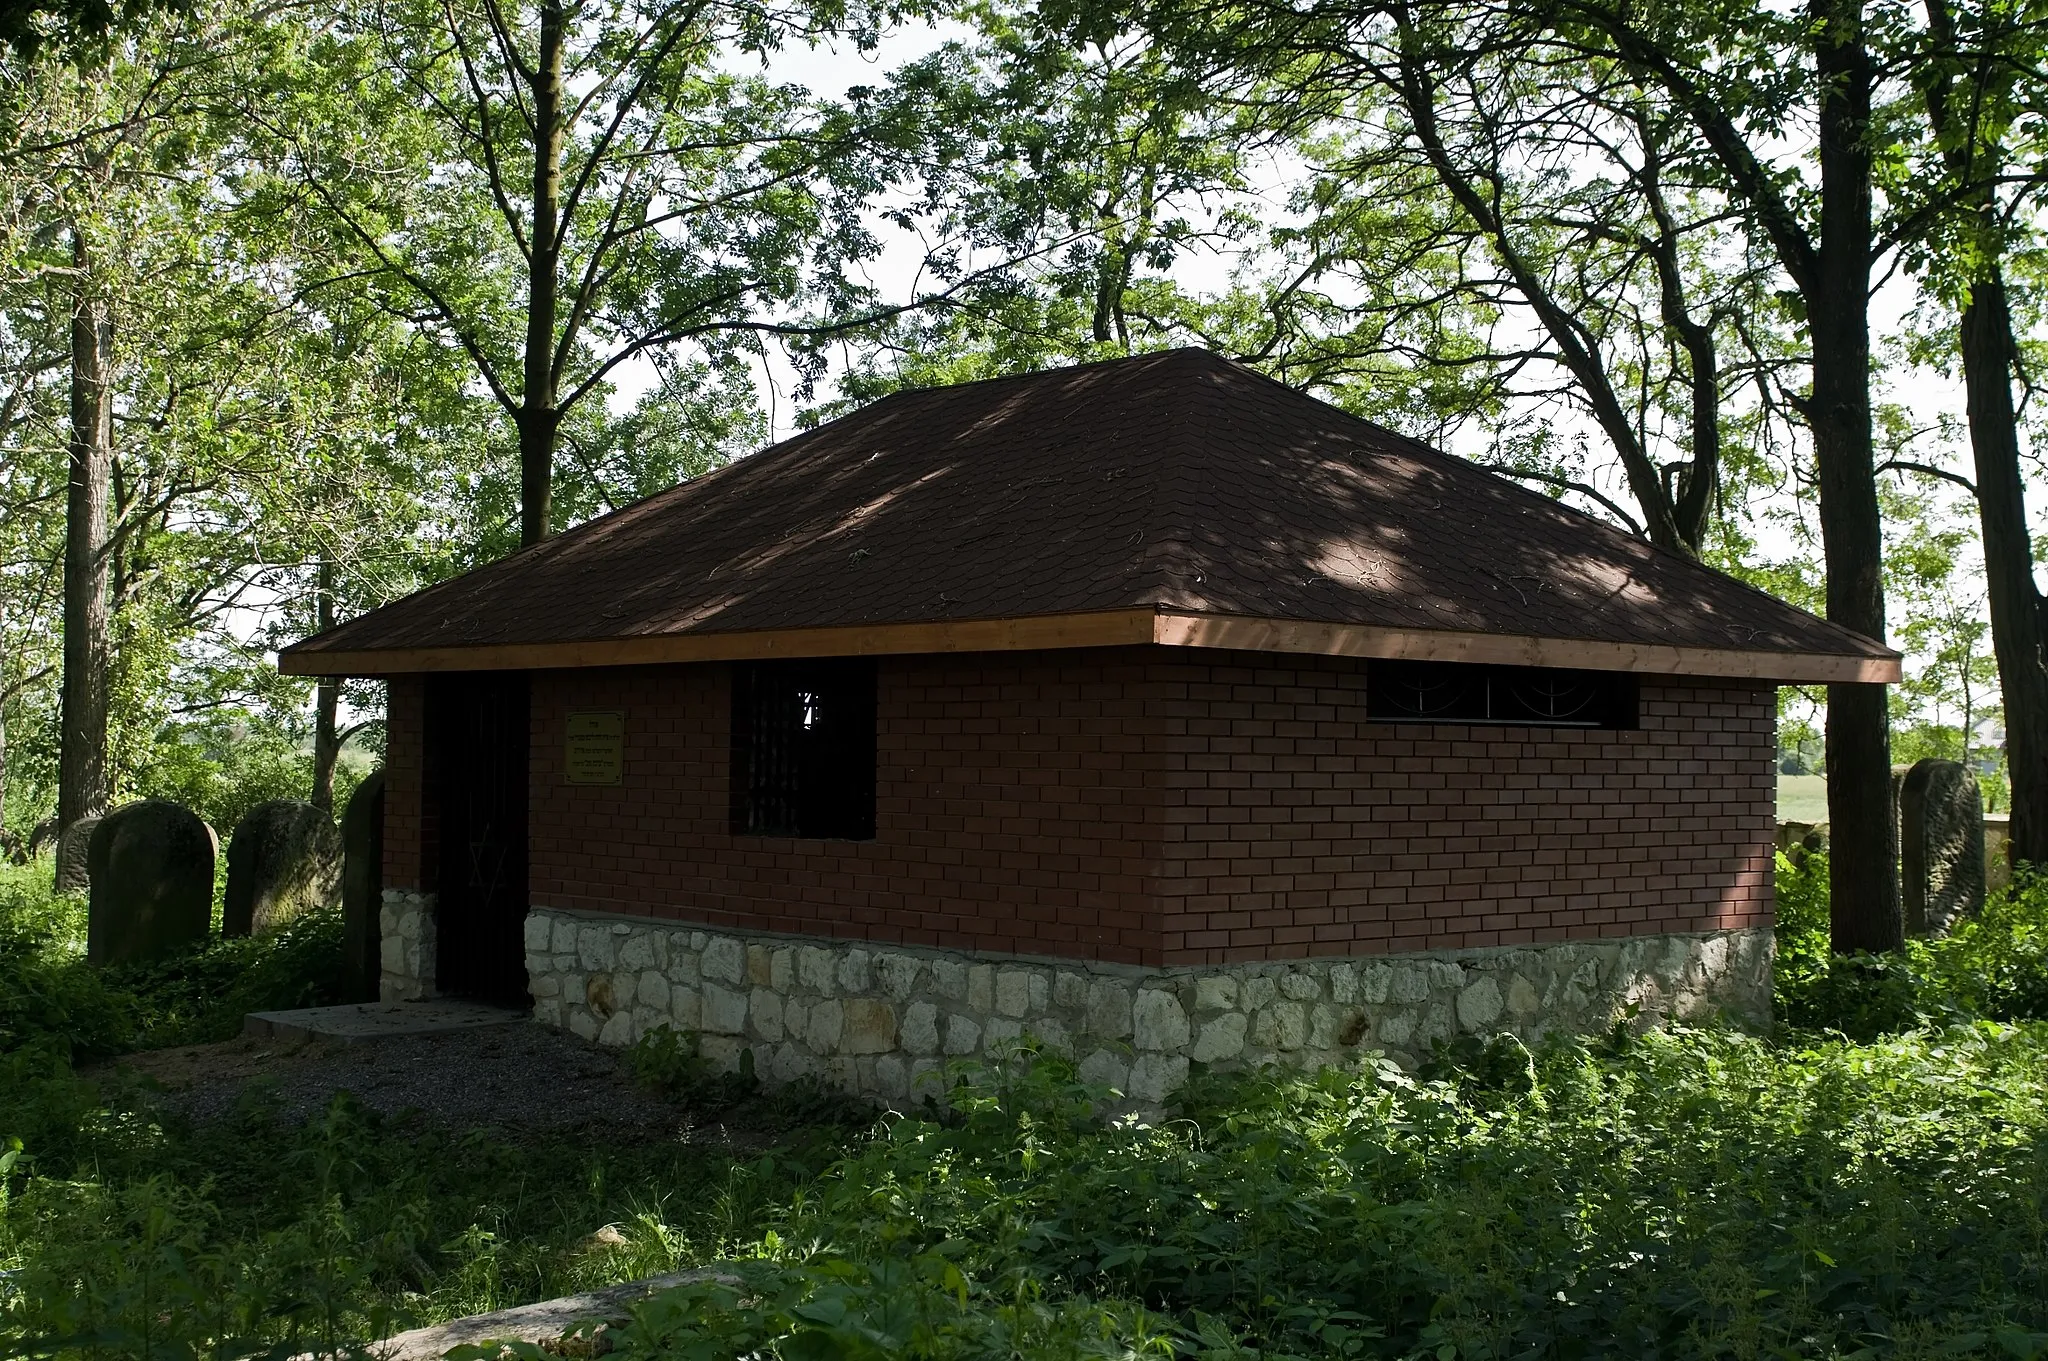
(514, 1076)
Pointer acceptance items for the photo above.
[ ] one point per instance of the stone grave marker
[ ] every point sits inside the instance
(151, 869)
(1941, 846)
(362, 888)
(284, 858)
(72, 843)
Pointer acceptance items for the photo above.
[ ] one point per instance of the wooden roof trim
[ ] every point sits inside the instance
(1442, 645)
(1104, 628)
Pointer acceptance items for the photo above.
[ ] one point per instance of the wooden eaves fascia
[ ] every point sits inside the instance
(1108, 628)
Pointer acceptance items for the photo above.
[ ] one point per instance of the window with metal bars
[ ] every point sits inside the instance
(1508, 696)
(803, 749)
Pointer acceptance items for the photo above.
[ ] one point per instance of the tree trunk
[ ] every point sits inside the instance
(82, 788)
(326, 703)
(539, 418)
(6, 844)
(1989, 365)
(2016, 624)
(1864, 901)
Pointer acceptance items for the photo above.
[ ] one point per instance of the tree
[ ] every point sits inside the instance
(602, 189)
(1730, 68)
(77, 130)
(183, 462)
(1975, 73)
(1096, 169)
(1571, 206)
(1928, 563)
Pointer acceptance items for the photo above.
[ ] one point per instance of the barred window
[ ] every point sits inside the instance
(1518, 696)
(803, 749)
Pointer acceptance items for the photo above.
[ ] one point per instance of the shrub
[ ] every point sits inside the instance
(1993, 966)
(1675, 1195)
(49, 996)
(223, 764)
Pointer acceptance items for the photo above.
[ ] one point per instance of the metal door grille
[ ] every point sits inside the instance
(803, 749)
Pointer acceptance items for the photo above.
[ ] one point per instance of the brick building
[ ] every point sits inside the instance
(1149, 707)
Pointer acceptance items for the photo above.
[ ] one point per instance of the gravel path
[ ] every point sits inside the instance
(513, 1076)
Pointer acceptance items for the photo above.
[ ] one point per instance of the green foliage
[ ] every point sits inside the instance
(1689, 1194)
(1668, 1195)
(920, 1309)
(222, 766)
(125, 1236)
(50, 999)
(1992, 966)
(672, 1062)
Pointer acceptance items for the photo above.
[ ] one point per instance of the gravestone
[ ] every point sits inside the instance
(284, 858)
(1800, 839)
(151, 869)
(1997, 852)
(72, 844)
(362, 889)
(1941, 846)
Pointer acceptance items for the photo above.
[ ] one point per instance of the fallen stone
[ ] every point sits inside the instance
(544, 1324)
(151, 871)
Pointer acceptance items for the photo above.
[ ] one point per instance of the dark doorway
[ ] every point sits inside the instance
(476, 750)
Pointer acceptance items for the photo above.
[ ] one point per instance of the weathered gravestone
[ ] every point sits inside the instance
(1941, 846)
(362, 889)
(1797, 840)
(151, 866)
(284, 858)
(72, 848)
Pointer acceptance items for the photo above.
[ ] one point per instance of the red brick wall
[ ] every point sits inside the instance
(406, 816)
(1011, 812)
(1161, 806)
(1294, 827)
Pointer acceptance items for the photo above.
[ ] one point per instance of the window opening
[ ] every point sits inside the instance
(803, 749)
(1515, 696)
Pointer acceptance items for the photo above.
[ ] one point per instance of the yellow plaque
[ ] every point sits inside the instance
(597, 747)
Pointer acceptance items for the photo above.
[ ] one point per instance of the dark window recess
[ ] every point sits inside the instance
(803, 749)
(1523, 696)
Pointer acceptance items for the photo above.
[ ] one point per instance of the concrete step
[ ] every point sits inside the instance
(355, 1022)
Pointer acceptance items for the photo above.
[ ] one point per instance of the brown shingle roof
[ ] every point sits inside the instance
(1171, 483)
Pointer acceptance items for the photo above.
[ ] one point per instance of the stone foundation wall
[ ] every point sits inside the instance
(406, 943)
(877, 1020)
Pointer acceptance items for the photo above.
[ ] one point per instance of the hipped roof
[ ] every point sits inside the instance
(1173, 498)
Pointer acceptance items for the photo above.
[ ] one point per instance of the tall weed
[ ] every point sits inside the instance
(1682, 1195)
(1992, 966)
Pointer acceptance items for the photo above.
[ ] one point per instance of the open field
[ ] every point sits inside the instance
(1802, 798)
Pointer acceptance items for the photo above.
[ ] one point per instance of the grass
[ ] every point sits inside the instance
(1691, 1194)
(1803, 798)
